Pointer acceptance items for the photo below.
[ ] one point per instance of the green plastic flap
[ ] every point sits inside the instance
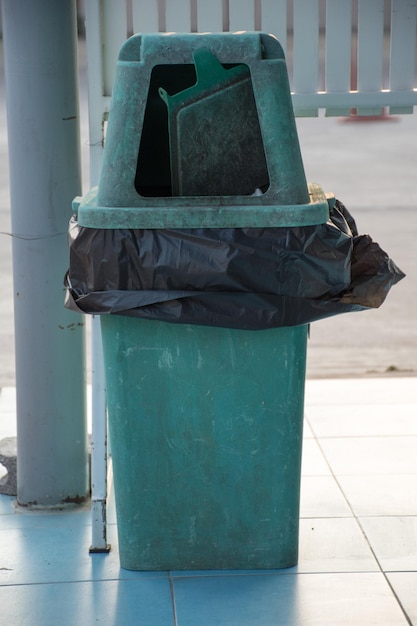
(216, 146)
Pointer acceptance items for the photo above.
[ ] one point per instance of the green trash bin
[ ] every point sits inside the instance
(205, 422)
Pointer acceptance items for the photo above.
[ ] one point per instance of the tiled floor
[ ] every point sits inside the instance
(358, 537)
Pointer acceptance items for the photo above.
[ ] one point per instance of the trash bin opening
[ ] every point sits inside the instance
(210, 146)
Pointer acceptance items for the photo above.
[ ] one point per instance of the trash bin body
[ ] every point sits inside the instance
(206, 433)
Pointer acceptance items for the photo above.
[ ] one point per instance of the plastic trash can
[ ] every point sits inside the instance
(205, 421)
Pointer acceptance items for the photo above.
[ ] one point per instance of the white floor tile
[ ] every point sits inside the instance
(365, 391)
(357, 599)
(381, 494)
(307, 434)
(6, 508)
(405, 586)
(347, 600)
(53, 553)
(321, 497)
(363, 420)
(14, 517)
(111, 603)
(394, 541)
(333, 545)
(313, 462)
(353, 456)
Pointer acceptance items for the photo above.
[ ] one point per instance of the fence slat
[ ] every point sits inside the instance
(370, 49)
(338, 49)
(210, 16)
(178, 16)
(306, 51)
(403, 48)
(145, 16)
(96, 108)
(274, 19)
(114, 34)
(241, 15)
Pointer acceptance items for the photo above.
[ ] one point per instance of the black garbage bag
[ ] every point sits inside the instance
(248, 278)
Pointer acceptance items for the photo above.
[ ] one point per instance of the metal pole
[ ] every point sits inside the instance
(40, 50)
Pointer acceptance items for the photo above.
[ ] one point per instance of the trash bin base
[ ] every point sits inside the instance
(206, 434)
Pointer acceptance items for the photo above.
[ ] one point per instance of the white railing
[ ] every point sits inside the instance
(341, 55)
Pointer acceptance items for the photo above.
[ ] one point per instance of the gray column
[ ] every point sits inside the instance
(40, 50)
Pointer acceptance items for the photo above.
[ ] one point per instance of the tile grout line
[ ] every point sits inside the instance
(357, 520)
(172, 591)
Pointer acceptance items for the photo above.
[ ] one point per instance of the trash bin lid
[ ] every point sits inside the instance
(250, 66)
(216, 145)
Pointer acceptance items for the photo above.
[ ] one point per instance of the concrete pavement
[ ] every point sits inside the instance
(371, 167)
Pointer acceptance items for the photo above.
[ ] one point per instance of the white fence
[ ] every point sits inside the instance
(341, 54)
